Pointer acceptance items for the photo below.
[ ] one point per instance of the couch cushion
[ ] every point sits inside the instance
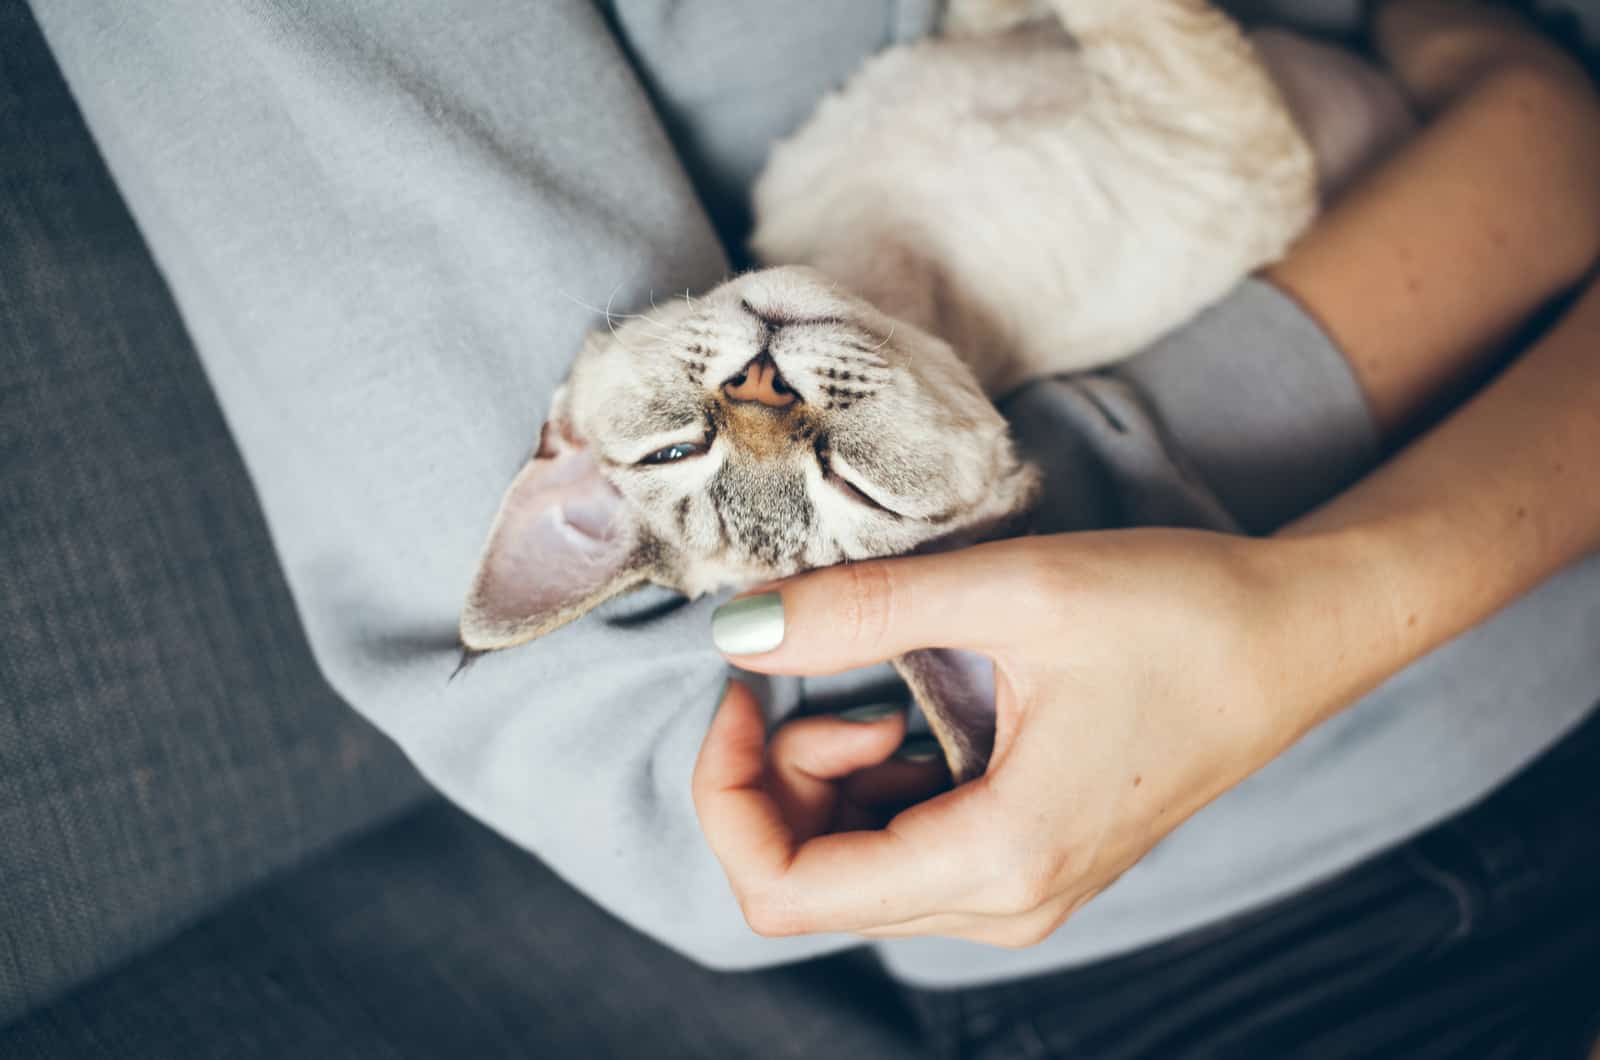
(435, 938)
(165, 737)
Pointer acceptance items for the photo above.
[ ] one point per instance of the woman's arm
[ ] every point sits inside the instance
(1492, 502)
(1142, 673)
(1425, 268)
(1422, 272)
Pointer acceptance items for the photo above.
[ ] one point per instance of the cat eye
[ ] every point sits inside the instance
(673, 453)
(845, 486)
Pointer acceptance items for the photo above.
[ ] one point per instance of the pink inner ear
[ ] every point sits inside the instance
(562, 537)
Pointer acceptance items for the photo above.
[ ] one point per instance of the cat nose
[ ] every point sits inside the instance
(759, 381)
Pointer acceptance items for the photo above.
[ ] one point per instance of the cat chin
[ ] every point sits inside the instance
(709, 577)
(715, 576)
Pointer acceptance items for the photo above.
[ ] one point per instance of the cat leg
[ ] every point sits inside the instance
(1153, 19)
(974, 18)
(1153, 50)
(1185, 66)
(1184, 75)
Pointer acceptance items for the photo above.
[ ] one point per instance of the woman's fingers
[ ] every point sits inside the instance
(928, 859)
(919, 864)
(808, 757)
(741, 822)
(896, 784)
(858, 614)
(874, 797)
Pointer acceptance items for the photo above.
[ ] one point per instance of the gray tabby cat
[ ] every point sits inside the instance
(1024, 196)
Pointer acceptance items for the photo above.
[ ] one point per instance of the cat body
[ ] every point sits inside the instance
(1055, 198)
(967, 214)
(1010, 197)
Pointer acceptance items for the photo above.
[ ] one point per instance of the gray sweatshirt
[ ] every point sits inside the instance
(382, 222)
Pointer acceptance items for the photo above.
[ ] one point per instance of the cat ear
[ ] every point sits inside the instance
(955, 689)
(564, 541)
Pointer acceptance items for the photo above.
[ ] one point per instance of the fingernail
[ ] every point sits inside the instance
(871, 712)
(749, 625)
(919, 748)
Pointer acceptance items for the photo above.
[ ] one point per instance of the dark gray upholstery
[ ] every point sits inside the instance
(165, 738)
(434, 938)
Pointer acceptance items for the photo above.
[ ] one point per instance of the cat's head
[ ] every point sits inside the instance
(773, 426)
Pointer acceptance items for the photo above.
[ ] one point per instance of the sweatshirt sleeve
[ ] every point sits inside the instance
(387, 228)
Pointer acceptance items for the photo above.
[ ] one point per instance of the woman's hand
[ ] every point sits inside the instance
(1139, 675)
(1142, 673)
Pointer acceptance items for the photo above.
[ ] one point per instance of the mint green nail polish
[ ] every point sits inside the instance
(919, 748)
(871, 712)
(749, 625)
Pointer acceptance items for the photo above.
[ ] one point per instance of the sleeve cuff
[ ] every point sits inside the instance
(1262, 405)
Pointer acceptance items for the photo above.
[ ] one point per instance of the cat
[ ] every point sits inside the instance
(1044, 188)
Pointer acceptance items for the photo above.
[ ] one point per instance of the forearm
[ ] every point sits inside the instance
(1428, 265)
(1482, 509)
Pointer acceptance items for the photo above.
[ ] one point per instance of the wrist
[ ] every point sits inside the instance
(1339, 624)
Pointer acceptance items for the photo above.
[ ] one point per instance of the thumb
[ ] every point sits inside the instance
(859, 614)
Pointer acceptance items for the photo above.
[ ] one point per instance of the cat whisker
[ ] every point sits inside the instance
(658, 330)
(611, 316)
(575, 300)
